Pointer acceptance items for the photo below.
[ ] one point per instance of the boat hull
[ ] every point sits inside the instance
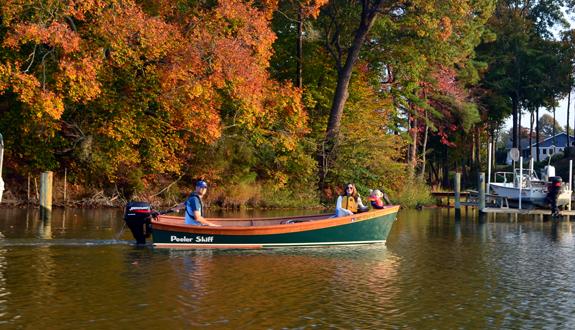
(367, 228)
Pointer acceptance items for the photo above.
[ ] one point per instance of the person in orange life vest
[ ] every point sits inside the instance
(349, 202)
(194, 207)
(378, 199)
(375, 199)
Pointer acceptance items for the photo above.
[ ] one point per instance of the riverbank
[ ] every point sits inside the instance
(230, 197)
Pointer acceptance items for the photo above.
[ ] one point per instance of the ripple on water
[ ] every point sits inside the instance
(434, 273)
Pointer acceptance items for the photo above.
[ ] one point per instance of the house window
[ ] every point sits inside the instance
(544, 151)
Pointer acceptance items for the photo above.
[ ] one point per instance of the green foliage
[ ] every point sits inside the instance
(413, 193)
(300, 196)
(367, 153)
(524, 66)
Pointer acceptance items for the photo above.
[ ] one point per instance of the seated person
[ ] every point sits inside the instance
(349, 202)
(378, 199)
(375, 198)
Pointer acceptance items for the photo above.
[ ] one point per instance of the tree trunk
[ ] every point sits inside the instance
(299, 79)
(470, 162)
(568, 106)
(554, 133)
(368, 16)
(343, 79)
(537, 133)
(412, 157)
(515, 135)
(424, 148)
(493, 148)
(477, 149)
(445, 170)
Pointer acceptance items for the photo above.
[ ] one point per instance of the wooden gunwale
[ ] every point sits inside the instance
(172, 223)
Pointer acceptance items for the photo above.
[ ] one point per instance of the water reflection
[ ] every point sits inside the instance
(45, 227)
(4, 292)
(61, 224)
(281, 288)
(436, 272)
(485, 273)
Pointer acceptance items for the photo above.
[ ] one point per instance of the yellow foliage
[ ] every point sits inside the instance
(50, 103)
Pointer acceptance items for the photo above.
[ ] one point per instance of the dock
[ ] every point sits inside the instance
(494, 204)
(525, 211)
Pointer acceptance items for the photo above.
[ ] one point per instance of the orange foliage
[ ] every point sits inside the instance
(56, 35)
(311, 8)
(190, 62)
(446, 28)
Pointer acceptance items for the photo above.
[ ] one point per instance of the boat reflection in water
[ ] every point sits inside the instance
(256, 284)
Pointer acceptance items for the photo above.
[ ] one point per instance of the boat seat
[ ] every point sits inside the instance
(287, 222)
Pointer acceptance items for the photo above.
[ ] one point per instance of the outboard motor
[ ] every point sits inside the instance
(138, 217)
(553, 190)
(548, 173)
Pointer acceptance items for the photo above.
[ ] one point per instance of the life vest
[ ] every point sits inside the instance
(349, 203)
(189, 200)
(376, 202)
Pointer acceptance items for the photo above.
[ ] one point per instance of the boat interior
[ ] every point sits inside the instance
(269, 221)
(249, 222)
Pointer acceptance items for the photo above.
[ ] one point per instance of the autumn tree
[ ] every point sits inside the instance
(401, 42)
(119, 89)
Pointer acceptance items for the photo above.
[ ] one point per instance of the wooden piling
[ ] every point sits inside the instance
(481, 184)
(65, 183)
(46, 191)
(570, 181)
(457, 190)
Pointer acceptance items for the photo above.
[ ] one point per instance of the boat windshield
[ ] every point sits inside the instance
(527, 179)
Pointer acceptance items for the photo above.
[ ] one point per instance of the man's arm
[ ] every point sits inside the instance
(202, 220)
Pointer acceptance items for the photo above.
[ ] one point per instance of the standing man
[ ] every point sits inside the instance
(194, 207)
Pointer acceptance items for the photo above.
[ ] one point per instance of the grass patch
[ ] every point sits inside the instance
(413, 194)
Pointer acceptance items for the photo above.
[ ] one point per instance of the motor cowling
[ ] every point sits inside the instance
(138, 216)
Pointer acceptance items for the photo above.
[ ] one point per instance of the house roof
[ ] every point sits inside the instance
(524, 143)
(549, 141)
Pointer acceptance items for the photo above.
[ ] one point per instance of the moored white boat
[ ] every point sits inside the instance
(532, 190)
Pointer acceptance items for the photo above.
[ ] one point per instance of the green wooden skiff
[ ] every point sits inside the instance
(251, 233)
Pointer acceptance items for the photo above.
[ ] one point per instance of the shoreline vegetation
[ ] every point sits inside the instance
(235, 197)
(276, 104)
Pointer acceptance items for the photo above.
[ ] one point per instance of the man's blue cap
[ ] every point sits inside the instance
(201, 184)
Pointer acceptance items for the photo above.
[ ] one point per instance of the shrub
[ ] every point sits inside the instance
(413, 194)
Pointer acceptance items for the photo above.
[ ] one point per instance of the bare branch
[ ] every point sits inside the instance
(287, 17)
(72, 23)
(168, 186)
(33, 55)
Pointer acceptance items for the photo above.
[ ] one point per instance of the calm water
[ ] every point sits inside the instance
(75, 272)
